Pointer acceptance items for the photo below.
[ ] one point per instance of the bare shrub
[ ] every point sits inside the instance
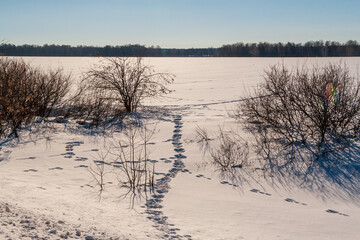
(128, 159)
(16, 96)
(128, 81)
(51, 88)
(26, 93)
(232, 152)
(303, 114)
(202, 135)
(228, 153)
(98, 170)
(132, 156)
(94, 106)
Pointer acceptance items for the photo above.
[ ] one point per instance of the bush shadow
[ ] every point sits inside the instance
(334, 174)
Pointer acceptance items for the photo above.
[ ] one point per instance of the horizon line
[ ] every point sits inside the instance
(158, 46)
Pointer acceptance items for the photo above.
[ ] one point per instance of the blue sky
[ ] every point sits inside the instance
(177, 23)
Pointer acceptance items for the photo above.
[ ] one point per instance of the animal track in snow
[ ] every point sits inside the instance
(202, 176)
(261, 192)
(25, 158)
(81, 166)
(294, 201)
(30, 170)
(227, 183)
(56, 168)
(336, 212)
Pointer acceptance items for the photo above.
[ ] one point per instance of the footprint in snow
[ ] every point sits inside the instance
(26, 158)
(30, 170)
(74, 143)
(202, 176)
(159, 174)
(258, 191)
(56, 168)
(227, 183)
(92, 150)
(186, 171)
(294, 201)
(68, 153)
(179, 150)
(99, 162)
(81, 159)
(179, 156)
(336, 212)
(81, 166)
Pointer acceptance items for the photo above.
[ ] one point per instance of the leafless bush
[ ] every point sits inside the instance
(232, 152)
(26, 92)
(228, 153)
(98, 170)
(203, 138)
(16, 95)
(128, 81)
(303, 114)
(95, 106)
(132, 154)
(51, 88)
(129, 160)
(201, 135)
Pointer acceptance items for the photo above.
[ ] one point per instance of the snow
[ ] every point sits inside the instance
(45, 175)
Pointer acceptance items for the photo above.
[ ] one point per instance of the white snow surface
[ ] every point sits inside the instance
(44, 174)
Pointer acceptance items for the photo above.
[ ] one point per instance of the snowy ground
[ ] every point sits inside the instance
(44, 177)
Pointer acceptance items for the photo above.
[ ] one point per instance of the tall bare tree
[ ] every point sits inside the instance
(128, 80)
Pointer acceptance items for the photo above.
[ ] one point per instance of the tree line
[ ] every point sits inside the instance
(309, 49)
(107, 51)
(262, 49)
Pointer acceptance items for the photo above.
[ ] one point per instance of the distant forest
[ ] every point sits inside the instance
(262, 49)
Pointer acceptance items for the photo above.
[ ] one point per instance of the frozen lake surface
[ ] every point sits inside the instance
(46, 177)
(200, 80)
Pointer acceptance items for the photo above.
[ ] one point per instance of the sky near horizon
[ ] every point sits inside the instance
(177, 23)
